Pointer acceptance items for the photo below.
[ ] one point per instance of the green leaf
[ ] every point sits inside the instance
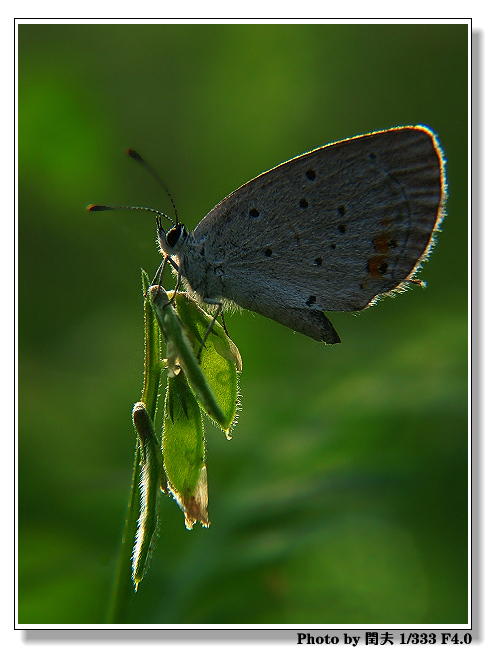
(153, 363)
(220, 358)
(181, 354)
(183, 451)
(151, 472)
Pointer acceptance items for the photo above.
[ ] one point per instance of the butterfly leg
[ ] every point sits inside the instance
(178, 282)
(210, 326)
(157, 279)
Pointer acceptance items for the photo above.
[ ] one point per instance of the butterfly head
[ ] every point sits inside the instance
(171, 242)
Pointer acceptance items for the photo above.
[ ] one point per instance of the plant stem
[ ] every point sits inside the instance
(122, 590)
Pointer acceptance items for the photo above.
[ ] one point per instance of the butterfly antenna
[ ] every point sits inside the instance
(134, 155)
(104, 207)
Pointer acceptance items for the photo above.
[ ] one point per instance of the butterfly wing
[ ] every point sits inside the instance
(333, 229)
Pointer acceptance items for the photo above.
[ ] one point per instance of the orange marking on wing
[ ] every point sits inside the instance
(381, 243)
(375, 266)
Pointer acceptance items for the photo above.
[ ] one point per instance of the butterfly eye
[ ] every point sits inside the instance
(173, 235)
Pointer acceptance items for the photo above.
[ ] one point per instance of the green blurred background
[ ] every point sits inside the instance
(342, 497)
